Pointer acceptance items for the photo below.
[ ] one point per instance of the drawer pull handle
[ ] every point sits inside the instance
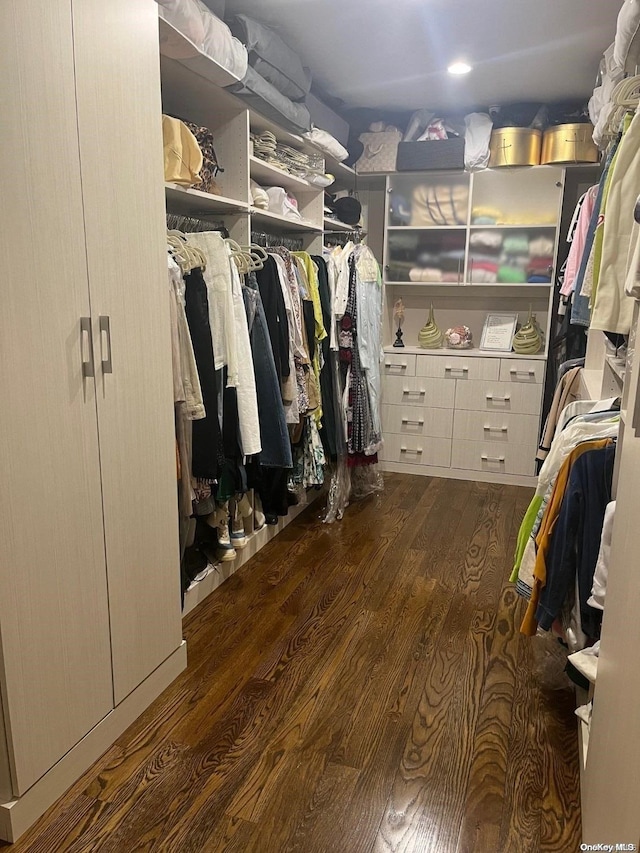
(389, 365)
(409, 421)
(460, 369)
(505, 399)
(514, 372)
(498, 459)
(417, 451)
(408, 393)
(488, 428)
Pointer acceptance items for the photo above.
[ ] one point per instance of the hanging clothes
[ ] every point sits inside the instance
(612, 308)
(576, 539)
(217, 277)
(544, 539)
(207, 451)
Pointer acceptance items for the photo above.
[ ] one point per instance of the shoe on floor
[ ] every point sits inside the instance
(259, 519)
(225, 552)
(237, 533)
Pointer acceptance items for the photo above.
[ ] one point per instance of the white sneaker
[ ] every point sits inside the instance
(237, 535)
(259, 519)
(225, 552)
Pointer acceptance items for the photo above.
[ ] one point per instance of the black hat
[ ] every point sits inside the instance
(348, 210)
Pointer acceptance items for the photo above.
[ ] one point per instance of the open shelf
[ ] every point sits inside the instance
(586, 665)
(281, 223)
(511, 227)
(175, 45)
(194, 202)
(426, 227)
(335, 225)
(516, 289)
(266, 174)
(466, 353)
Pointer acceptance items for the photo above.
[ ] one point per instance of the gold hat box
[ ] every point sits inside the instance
(569, 143)
(515, 146)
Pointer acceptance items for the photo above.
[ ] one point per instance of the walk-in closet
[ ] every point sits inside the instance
(320, 418)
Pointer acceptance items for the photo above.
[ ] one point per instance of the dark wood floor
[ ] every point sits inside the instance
(359, 687)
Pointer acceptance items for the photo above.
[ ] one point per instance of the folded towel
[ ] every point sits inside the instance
(480, 276)
(511, 275)
(425, 274)
(541, 246)
(539, 279)
(487, 240)
(488, 265)
(516, 244)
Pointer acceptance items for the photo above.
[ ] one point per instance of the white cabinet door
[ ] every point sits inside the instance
(56, 667)
(119, 124)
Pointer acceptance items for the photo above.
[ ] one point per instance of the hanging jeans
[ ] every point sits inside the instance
(274, 435)
(207, 455)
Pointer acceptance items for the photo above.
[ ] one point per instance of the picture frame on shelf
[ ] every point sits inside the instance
(498, 332)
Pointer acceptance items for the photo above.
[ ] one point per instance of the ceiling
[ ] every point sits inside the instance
(394, 55)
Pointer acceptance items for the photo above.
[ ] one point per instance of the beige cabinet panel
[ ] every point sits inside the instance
(499, 397)
(117, 69)
(492, 458)
(399, 365)
(500, 427)
(457, 367)
(56, 668)
(420, 391)
(405, 420)
(517, 370)
(418, 450)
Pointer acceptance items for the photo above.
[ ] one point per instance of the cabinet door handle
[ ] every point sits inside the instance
(88, 365)
(505, 399)
(389, 365)
(461, 369)
(408, 393)
(514, 372)
(488, 428)
(105, 327)
(417, 451)
(409, 421)
(498, 459)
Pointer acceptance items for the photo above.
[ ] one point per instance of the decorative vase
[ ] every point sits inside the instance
(430, 336)
(528, 339)
(459, 337)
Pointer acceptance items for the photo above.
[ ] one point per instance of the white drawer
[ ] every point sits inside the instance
(498, 427)
(492, 459)
(420, 391)
(457, 367)
(405, 420)
(399, 364)
(417, 450)
(517, 370)
(517, 397)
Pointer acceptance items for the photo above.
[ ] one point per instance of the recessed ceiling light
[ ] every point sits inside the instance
(459, 68)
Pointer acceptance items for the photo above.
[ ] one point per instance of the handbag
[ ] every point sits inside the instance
(380, 151)
(210, 164)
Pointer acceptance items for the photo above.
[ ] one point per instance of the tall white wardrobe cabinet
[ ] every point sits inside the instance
(90, 621)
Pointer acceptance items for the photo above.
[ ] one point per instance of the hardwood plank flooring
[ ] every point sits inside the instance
(355, 688)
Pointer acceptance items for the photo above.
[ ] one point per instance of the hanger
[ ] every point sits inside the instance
(190, 256)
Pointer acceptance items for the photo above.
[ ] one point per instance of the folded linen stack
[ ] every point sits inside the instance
(485, 250)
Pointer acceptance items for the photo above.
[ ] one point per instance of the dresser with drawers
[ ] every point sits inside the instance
(468, 415)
